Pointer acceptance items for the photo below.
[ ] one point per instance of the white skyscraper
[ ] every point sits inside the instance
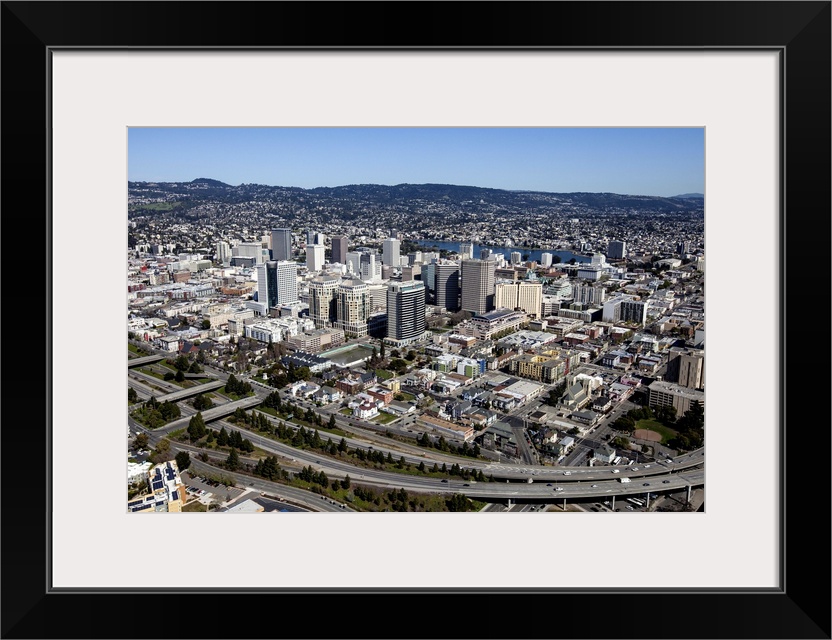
(315, 257)
(277, 283)
(466, 250)
(224, 253)
(390, 252)
(546, 259)
(405, 310)
(516, 257)
(527, 296)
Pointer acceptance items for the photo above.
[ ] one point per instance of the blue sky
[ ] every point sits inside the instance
(636, 161)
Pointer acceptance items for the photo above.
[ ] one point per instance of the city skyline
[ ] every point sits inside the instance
(631, 161)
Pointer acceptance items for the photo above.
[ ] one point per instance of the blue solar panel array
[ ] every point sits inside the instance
(176, 495)
(158, 485)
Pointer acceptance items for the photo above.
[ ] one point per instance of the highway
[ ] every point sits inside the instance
(600, 484)
(307, 498)
(515, 482)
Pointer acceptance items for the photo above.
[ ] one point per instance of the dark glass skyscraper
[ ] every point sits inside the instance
(281, 244)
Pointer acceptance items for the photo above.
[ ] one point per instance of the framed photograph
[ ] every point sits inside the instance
(79, 77)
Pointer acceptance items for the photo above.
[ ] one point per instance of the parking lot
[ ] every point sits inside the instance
(205, 490)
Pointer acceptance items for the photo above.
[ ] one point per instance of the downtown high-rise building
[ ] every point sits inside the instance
(339, 249)
(466, 250)
(521, 294)
(223, 253)
(546, 260)
(589, 294)
(364, 263)
(315, 255)
(516, 257)
(429, 278)
(281, 244)
(477, 285)
(686, 367)
(625, 308)
(323, 304)
(390, 252)
(446, 285)
(277, 283)
(405, 311)
(353, 307)
(616, 250)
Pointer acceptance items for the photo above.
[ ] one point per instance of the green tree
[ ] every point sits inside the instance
(179, 377)
(345, 483)
(182, 363)
(196, 427)
(169, 375)
(383, 350)
(162, 453)
(459, 502)
(232, 462)
(169, 411)
(222, 437)
(206, 324)
(132, 396)
(203, 402)
(141, 441)
(195, 368)
(342, 445)
(183, 460)
(398, 365)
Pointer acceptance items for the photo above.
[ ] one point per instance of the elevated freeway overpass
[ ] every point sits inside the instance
(137, 362)
(214, 413)
(175, 396)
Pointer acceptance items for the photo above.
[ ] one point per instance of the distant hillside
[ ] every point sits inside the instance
(699, 196)
(429, 200)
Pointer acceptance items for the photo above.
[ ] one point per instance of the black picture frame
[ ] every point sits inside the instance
(799, 30)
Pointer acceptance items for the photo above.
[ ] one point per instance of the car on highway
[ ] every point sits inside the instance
(665, 481)
(558, 488)
(444, 479)
(548, 484)
(616, 471)
(567, 473)
(646, 484)
(594, 486)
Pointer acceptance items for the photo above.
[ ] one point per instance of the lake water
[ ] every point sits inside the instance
(534, 254)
